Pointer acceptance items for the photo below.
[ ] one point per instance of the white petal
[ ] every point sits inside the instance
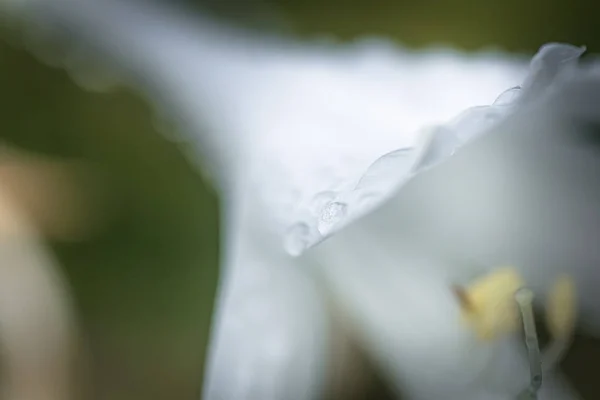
(523, 191)
(287, 127)
(270, 331)
(316, 113)
(397, 168)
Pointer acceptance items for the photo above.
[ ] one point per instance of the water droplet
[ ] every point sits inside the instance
(321, 200)
(508, 96)
(332, 213)
(297, 239)
(441, 144)
(386, 170)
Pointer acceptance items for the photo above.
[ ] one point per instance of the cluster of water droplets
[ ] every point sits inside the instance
(333, 209)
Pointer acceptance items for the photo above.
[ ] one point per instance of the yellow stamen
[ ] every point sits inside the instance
(561, 308)
(488, 304)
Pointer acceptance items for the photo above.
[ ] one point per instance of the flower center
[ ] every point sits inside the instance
(491, 305)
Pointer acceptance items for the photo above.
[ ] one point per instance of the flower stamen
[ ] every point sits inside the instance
(487, 303)
(488, 306)
(560, 319)
(524, 298)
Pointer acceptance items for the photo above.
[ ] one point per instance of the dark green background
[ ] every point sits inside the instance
(144, 285)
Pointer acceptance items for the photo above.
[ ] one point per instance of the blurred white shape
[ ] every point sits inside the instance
(38, 334)
(284, 125)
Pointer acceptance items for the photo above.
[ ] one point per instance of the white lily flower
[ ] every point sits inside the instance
(338, 197)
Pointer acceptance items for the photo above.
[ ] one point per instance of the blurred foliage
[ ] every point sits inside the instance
(145, 285)
(513, 25)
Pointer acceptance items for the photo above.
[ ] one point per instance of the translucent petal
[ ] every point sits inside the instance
(523, 191)
(270, 333)
(303, 140)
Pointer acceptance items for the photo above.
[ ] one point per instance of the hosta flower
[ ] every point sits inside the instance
(355, 185)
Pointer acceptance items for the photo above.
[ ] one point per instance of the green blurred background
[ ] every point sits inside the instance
(144, 284)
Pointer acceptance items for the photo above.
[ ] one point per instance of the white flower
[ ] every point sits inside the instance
(340, 198)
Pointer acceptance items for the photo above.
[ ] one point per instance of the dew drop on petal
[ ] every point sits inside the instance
(508, 96)
(386, 169)
(441, 145)
(322, 199)
(381, 177)
(332, 213)
(297, 239)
